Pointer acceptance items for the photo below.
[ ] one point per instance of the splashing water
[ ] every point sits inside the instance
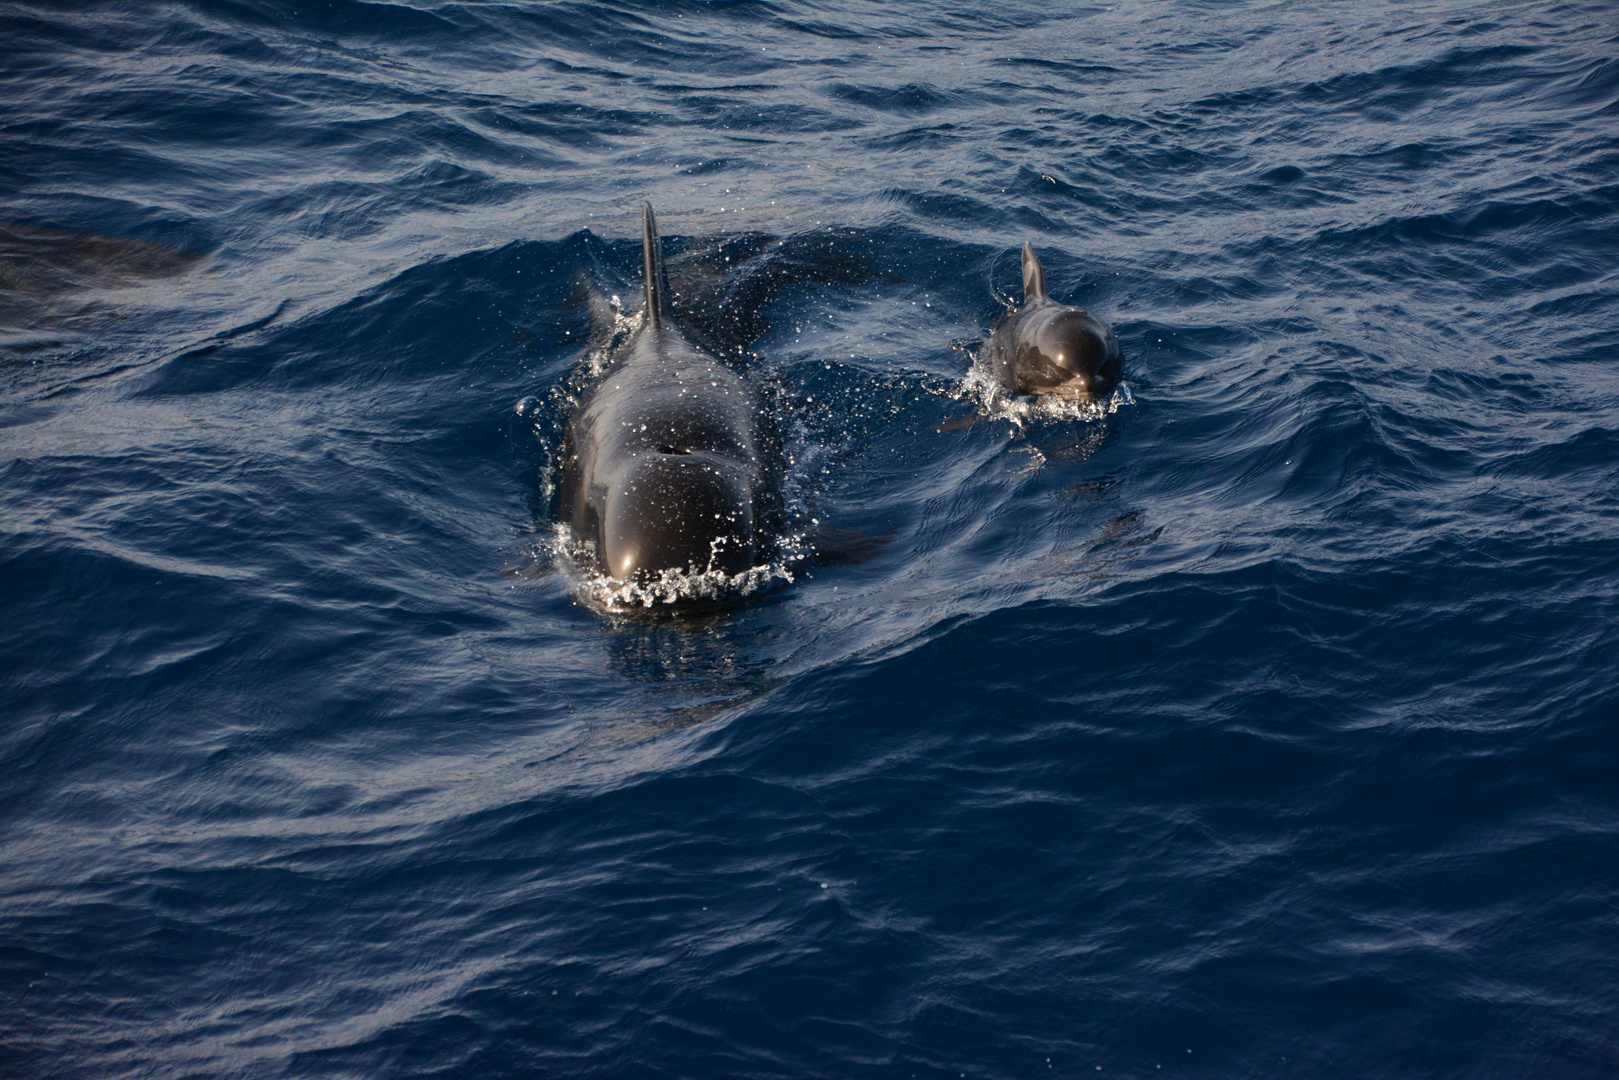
(621, 326)
(999, 403)
(671, 588)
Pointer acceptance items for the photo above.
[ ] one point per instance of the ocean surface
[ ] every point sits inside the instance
(1265, 726)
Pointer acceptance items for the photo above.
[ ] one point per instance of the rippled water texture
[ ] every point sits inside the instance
(1263, 727)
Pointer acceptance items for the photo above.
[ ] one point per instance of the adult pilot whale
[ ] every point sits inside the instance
(1045, 347)
(670, 464)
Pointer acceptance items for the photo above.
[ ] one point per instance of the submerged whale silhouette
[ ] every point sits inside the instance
(1049, 348)
(671, 462)
(48, 276)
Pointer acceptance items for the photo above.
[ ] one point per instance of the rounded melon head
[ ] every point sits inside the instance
(1066, 352)
(684, 512)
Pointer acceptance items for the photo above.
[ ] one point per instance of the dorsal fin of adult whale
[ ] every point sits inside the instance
(657, 286)
(1034, 275)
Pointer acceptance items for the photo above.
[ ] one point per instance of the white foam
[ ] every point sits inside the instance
(598, 590)
(999, 403)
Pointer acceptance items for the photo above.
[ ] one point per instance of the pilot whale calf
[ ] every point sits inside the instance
(670, 462)
(1045, 347)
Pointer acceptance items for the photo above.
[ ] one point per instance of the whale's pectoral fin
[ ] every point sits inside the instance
(846, 547)
(652, 265)
(1034, 275)
(961, 423)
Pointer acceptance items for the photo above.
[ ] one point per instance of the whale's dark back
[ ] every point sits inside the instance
(670, 463)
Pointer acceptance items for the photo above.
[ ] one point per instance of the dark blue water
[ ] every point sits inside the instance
(1266, 727)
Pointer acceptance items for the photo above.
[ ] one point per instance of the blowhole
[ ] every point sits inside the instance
(680, 450)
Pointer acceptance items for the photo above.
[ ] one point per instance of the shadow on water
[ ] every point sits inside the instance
(695, 669)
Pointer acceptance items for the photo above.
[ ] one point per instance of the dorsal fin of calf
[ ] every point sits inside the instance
(1034, 275)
